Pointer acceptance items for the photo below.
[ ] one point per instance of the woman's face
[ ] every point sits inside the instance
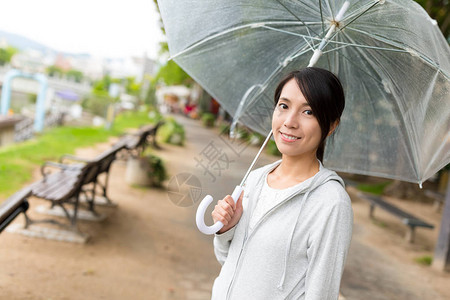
(295, 129)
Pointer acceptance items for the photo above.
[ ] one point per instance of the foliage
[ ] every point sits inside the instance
(256, 138)
(97, 104)
(208, 119)
(6, 54)
(224, 129)
(272, 149)
(172, 74)
(171, 132)
(424, 260)
(101, 87)
(76, 75)
(132, 119)
(161, 25)
(19, 160)
(32, 98)
(132, 87)
(150, 98)
(157, 171)
(154, 116)
(242, 134)
(54, 71)
(438, 10)
(376, 189)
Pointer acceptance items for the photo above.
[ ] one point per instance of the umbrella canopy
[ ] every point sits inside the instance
(391, 57)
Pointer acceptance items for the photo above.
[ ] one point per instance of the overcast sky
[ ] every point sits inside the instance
(108, 28)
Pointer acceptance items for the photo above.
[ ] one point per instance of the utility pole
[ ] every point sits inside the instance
(441, 259)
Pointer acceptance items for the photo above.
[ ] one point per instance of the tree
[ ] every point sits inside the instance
(75, 75)
(53, 71)
(132, 87)
(170, 73)
(438, 10)
(6, 54)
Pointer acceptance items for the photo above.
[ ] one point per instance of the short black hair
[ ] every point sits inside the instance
(324, 93)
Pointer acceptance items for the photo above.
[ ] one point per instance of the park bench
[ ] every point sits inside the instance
(438, 198)
(13, 206)
(411, 221)
(137, 143)
(134, 143)
(65, 187)
(102, 164)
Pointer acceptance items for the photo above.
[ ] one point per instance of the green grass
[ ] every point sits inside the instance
(424, 260)
(18, 161)
(376, 189)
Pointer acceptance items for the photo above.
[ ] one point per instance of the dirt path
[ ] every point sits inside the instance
(149, 248)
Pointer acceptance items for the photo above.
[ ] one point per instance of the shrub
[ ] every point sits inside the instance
(171, 132)
(157, 170)
(272, 149)
(208, 119)
(97, 105)
(256, 139)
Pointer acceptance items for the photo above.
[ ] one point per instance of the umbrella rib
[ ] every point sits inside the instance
(344, 45)
(295, 34)
(403, 128)
(357, 17)
(251, 25)
(400, 49)
(295, 16)
(321, 17)
(363, 12)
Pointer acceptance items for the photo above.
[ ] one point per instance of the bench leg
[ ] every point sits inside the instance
(409, 237)
(372, 209)
(437, 205)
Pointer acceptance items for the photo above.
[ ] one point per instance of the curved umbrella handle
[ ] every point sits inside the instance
(199, 218)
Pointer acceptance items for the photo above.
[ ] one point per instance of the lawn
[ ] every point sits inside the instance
(18, 161)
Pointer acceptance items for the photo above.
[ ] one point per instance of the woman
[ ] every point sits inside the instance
(288, 235)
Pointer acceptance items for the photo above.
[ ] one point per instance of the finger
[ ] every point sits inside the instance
(228, 204)
(221, 215)
(230, 201)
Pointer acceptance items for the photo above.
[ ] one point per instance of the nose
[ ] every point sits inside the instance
(291, 120)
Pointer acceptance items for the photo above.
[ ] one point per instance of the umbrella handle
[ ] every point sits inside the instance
(199, 218)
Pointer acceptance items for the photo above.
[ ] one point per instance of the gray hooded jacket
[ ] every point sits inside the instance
(297, 250)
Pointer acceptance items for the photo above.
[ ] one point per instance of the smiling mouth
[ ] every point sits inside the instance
(289, 137)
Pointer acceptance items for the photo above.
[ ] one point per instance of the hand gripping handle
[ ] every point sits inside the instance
(200, 216)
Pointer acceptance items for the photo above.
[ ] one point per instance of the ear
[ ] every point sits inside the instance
(333, 127)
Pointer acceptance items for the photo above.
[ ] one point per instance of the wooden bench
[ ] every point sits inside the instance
(13, 206)
(102, 164)
(133, 143)
(411, 221)
(63, 188)
(137, 143)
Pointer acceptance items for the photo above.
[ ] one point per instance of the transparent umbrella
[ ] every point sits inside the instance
(391, 57)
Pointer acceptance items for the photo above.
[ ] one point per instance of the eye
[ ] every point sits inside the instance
(309, 112)
(282, 106)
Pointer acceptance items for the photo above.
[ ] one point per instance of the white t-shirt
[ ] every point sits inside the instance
(270, 197)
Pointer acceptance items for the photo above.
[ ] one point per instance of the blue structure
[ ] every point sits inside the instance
(40, 103)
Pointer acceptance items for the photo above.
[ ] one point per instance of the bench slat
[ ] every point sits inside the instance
(407, 218)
